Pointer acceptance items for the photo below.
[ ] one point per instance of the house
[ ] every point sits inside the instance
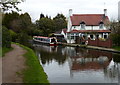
(87, 26)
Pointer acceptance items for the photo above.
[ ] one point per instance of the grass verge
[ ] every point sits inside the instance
(34, 72)
(117, 47)
(5, 50)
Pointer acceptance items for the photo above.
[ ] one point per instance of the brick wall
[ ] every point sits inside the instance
(107, 43)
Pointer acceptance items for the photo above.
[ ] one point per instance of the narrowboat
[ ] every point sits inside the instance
(52, 41)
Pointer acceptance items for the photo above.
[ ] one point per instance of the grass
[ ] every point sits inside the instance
(34, 72)
(117, 47)
(5, 50)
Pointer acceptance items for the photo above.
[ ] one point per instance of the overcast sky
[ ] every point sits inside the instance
(52, 7)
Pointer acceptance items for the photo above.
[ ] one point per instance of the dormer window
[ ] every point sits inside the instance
(82, 25)
(101, 25)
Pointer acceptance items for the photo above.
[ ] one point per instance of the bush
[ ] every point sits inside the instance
(13, 35)
(23, 39)
(5, 50)
(6, 38)
(116, 39)
(115, 35)
(36, 32)
(116, 58)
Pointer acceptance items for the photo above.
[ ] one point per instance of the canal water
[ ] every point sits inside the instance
(77, 65)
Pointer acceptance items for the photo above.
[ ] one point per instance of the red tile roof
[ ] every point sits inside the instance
(89, 19)
(84, 31)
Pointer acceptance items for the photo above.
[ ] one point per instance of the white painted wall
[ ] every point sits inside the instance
(94, 37)
(69, 24)
(70, 41)
(64, 35)
(88, 28)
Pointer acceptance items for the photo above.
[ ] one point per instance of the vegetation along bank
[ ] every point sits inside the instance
(34, 72)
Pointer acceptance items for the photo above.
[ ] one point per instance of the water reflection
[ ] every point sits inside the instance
(49, 53)
(89, 59)
(77, 65)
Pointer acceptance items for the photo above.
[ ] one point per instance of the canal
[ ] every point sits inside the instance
(77, 65)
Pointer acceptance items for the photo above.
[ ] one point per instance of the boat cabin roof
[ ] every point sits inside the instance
(40, 37)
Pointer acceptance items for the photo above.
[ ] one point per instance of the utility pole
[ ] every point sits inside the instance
(119, 11)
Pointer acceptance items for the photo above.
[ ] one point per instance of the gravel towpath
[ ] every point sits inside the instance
(12, 65)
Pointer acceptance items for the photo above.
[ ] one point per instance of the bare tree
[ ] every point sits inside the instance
(9, 5)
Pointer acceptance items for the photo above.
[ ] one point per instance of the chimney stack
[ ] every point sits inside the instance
(70, 12)
(105, 12)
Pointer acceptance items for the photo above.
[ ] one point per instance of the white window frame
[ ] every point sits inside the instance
(101, 25)
(104, 35)
(82, 26)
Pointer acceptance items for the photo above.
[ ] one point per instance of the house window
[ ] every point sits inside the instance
(77, 34)
(97, 36)
(68, 37)
(101, 25)
(82, 25)
(105, 36)
(72, 36)
(91, 36)
(84, 36)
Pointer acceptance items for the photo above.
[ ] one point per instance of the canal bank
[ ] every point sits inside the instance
(90, 47)
(34, 72)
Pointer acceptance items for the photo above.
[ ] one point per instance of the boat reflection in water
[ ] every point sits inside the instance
(77, 65)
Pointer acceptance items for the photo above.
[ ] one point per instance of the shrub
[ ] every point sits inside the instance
(6, 38)
(13, 35)
(23, 39)
(115, 38)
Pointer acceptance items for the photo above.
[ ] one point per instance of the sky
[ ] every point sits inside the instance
(53, 7)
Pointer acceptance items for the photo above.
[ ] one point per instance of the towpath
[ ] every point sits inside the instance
(13, 63)
(91, 47)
